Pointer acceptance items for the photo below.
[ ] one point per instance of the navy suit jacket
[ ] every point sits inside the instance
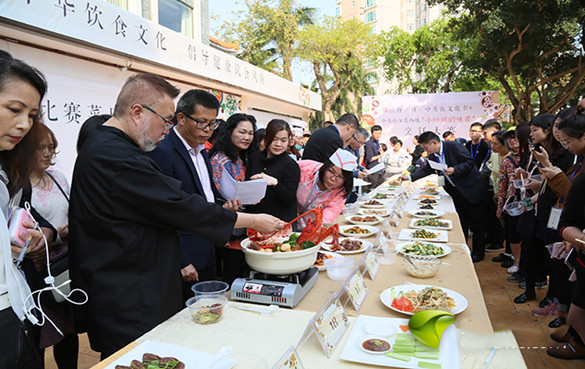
(466, 177)
(175, 161)
(322, 144)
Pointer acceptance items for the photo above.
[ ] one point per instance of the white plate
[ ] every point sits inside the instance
(371, 231)
(383, 212)
(333, 255)
(365, 246)
(388, 295)
(431, 197)
(401, 245)
(449, 224)
(435, 203)
(378, 220)
(389, 196)
(380, 206)
(436, 213)
(406, 235)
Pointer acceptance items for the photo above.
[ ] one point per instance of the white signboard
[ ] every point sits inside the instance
(405, 116)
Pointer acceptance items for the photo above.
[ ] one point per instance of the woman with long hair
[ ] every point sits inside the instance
(21, 90)
(279, 169)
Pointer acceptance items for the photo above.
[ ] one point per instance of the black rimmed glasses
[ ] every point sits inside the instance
(203, 125)
(169, 122)
(361, 143)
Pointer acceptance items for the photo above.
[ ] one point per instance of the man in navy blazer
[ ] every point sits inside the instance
(182, 155)
(462, 181)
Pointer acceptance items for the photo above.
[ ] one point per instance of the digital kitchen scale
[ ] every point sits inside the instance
(284, 290)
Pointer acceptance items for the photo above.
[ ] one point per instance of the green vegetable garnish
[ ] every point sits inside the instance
(307, 244)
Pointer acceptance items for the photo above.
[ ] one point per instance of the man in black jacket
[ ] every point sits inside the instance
(325, 141)
(462, 181)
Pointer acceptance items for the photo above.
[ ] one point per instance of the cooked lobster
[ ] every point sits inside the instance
(314, 231)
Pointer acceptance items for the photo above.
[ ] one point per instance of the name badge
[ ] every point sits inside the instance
(554, 218)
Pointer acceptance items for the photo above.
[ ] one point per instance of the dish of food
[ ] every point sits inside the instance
(286, 244)
(152, 361)
(430, 191)
(427, 201)
(426, 214)
(375, 346)
(364, 219)
(431, 223)
(412, 298)
(358, 231)
(349, 246)
(372, 204)
(427, 197)
(322, 256)
(209, 314)
(427, 206)
(422, 234)
(423, 248)
(383, 196)
(380, 212)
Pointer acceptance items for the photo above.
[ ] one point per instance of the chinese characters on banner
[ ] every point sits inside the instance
(405, 116)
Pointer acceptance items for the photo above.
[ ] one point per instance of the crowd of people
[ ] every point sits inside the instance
(144, 217)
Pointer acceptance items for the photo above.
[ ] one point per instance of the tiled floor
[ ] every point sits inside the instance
(532, 332)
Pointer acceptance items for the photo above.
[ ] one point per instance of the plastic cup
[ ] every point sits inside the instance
(338, 269)
(207, 309)
(210, 288)
(386, 257)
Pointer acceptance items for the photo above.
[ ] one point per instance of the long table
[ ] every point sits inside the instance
(271, 336)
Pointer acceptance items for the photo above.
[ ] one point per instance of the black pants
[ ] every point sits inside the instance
(18, 344)
(471, 218)
(495, 234)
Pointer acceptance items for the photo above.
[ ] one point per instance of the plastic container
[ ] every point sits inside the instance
(338, 269)
(210, 288)
(514, 208)
(386, 258)
(207, 309)
(421, 266)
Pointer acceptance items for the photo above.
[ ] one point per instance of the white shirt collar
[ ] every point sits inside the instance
(198, 148)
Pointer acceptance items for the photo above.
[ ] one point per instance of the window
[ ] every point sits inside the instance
(423, 21)
(372, 78)
(424, 7)
(410, 13)
(176, 15)
(373, 30)
(370, 16)
(119, 3)
(337, 12)
(353, 4)
(410, 27)
(370, 3)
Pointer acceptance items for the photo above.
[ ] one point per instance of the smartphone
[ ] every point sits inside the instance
(16, 227)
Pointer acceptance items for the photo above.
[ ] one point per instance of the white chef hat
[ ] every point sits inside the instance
(344, 159)
(297, 131)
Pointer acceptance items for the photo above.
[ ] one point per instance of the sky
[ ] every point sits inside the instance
(302, 71)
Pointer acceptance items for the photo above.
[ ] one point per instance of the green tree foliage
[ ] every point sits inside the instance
(335, 49)
(534, 48)
(267, 31)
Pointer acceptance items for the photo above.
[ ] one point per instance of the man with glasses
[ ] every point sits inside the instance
(477, 147)
(182, 155)
(357, 141)
(124, 214)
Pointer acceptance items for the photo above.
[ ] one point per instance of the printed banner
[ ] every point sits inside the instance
(405, 116)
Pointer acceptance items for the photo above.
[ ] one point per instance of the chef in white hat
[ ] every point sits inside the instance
(326, 184)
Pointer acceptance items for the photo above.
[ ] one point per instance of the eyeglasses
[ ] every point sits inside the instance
(335, 175)
(167, 121)
(565, 143)
(204, 125)
(474, 131)
(358, 141)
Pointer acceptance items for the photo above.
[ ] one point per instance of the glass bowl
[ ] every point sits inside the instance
(420, 266)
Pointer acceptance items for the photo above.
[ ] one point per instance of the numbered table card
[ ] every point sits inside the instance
(372, 265)
(330, 326)
(356, 289)
(290, 360)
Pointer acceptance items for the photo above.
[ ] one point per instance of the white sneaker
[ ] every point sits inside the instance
(512, 269)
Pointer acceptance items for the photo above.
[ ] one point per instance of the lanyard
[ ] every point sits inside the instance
(309, 202)
(575, 172)
(487, 155)
(474, 154)
(376, 144)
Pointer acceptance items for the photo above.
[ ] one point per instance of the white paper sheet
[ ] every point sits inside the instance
(248, 192)
(437, 166)
(376, 168)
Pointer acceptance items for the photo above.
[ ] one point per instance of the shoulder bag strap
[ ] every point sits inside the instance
(58, 185)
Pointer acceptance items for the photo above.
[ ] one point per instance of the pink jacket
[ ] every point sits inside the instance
(332, 200)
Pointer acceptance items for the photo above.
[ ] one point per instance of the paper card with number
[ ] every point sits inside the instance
(290, 360)
(372, 265)
(382, 241)
(356, 289)
(330, 326)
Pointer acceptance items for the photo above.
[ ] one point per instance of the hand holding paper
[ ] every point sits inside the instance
(248, 192)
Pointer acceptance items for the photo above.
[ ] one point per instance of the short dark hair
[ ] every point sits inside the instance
(273, 127)
(573, 125)
(427, 137)
(492, 123)
(384, 146)
(187, 102)
(476, 124)
(501, 137)
(393, 140)
(142, 88)
(347, 176)
(363, 132)
(447, 134)
(565, 113)
(348, 119)
(375, 127)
